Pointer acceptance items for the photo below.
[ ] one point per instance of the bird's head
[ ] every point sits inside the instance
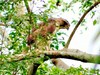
(62, 23)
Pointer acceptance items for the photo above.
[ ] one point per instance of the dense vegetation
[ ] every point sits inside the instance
(18, 17)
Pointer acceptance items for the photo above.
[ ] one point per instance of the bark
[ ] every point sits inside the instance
(60, 64)
(65, 53)
(33, 68)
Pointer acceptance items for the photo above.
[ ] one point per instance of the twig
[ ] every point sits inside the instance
(2, 41)
(77, 25)
(28, 10)
(30, 17)
(1, 24)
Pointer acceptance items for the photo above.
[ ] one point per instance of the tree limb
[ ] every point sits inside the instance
(33, 68)
(65, 53)
(29, 11)
(77, 25)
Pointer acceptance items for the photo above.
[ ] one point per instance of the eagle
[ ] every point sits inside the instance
(42, 35)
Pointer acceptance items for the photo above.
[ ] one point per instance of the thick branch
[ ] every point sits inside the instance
(74, 54)
(77, 25)
(66, 53)
(33, 68)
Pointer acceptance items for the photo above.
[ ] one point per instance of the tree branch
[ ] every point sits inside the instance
(28, 10)
(77, 25)
(65, 53)
(1, 24)
(74, 54)
(33, 68)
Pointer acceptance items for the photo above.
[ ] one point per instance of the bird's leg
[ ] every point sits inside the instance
(48, 46)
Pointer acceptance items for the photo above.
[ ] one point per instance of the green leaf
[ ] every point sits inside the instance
(63, 43)
(57, 47)
(74, 22)
(86, 28)
(51, 45)
(54, 39)
(59, 33)
(94, 22)
(93, 13)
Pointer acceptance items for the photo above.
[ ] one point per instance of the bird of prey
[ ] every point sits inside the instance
(42, 35)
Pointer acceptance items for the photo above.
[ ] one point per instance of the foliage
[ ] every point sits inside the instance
(14, 16)
(14, 68)
(44, 69)
(56, 41)
(19, 21)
